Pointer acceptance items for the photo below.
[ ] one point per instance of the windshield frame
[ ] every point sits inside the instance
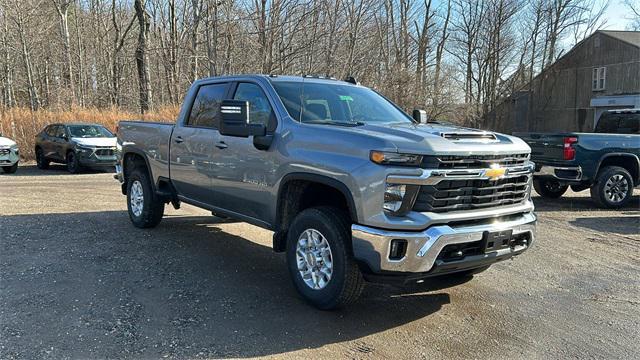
(405, 117)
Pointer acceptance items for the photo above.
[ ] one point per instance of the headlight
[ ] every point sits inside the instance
(394, 196)
(14, 148)
(390, 158)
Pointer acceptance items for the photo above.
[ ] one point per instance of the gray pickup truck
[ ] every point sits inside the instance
(353, 188)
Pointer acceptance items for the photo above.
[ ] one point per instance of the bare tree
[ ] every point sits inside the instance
(142, 62)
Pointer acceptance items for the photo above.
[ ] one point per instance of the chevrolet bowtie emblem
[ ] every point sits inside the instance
(495, 173)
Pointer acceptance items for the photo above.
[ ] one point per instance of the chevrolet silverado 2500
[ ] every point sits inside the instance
(353, 188)
(606, 161)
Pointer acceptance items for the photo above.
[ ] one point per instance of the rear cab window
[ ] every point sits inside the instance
(623, 123)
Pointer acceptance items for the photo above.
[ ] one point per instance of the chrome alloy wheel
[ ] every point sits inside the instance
(314, 259)
(136, 198)
(616, 188)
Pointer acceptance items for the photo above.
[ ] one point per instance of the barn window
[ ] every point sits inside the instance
(598, 79)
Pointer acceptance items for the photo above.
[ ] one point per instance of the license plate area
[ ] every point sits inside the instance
(497, 240)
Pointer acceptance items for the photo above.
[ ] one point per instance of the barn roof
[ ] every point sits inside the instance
(630, 37)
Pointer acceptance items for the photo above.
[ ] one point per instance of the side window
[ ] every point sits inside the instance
(204, 112)
(51, 130)
(260, 111)
(60, 132)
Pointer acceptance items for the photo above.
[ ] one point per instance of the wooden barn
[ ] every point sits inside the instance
(601, 72)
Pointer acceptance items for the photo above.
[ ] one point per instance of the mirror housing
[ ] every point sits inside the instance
(234, 120)
(420, 116)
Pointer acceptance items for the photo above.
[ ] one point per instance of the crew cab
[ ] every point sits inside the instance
(606, 161)
(353, 188)
(9, 155)
(77, 145)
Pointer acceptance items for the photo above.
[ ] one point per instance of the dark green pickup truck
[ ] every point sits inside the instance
(606, 161)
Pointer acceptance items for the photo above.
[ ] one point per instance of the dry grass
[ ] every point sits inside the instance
(22, 125)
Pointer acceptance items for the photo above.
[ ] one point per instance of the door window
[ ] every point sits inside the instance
(260, 111)
(60, 132)
(206, 106)
(51, 130)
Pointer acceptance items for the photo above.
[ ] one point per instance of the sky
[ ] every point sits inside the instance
(618, 15)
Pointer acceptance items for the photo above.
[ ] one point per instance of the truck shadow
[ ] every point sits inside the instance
(90, 285)
(55, 169)
(578, 204)
(627, 225)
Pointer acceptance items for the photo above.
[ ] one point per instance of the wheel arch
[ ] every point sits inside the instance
(299, 191)
(132, 159)
(630, 162)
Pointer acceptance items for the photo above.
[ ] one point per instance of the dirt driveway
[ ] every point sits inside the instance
(77, 280)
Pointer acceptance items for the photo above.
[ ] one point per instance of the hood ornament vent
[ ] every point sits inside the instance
(469, 136)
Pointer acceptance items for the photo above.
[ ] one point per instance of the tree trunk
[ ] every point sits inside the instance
(142, 62)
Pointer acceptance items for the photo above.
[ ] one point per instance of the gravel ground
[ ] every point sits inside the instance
(77, 280)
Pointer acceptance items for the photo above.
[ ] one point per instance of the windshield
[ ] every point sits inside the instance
(337, 104)
(89, 131)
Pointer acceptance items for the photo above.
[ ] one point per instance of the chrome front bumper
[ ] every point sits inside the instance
(372, 246)
(567, 173)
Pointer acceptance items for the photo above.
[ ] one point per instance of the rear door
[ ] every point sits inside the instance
(60, 143)
(193, 144)
(46, 144)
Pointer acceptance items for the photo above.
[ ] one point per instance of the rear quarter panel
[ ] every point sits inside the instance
(151, 140)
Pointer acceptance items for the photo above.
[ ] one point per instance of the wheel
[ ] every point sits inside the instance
(549, 188)
(319, 258)
(613, 187)
(145, 209)
(10, 169)
(73, 165)
(41, 160)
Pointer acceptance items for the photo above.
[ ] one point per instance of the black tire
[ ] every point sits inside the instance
(73, 165)
(616, 194)
(10, 169)
(549, 188)
(41, 160)
(152, 207)
(346, 282)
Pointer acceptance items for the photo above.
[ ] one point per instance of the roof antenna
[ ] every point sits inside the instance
(351, 79)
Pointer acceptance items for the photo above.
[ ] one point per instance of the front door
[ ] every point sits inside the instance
(193, 145)
(244, 175)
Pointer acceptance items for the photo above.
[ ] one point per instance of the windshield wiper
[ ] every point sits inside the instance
(333, 122)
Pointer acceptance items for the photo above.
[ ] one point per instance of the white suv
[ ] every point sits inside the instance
(9, 155)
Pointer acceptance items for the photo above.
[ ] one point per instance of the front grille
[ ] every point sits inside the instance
(105, 152)
(474, 162)
(450, 195)
(5, 151)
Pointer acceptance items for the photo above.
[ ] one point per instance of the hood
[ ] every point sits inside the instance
(6, 142)
(427, 139)
(106, 142)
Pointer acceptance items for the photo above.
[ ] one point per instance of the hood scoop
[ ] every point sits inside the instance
(470, 136)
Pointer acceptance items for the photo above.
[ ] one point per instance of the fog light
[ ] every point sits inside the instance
(393, 196)
(398, 249)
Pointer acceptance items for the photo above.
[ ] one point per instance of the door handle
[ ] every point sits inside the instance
(221, 145)
(178, 139)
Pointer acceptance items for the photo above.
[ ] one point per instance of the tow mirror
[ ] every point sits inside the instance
(420, 116)
(234, 120)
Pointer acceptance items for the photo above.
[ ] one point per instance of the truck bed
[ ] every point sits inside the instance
(150, 138)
